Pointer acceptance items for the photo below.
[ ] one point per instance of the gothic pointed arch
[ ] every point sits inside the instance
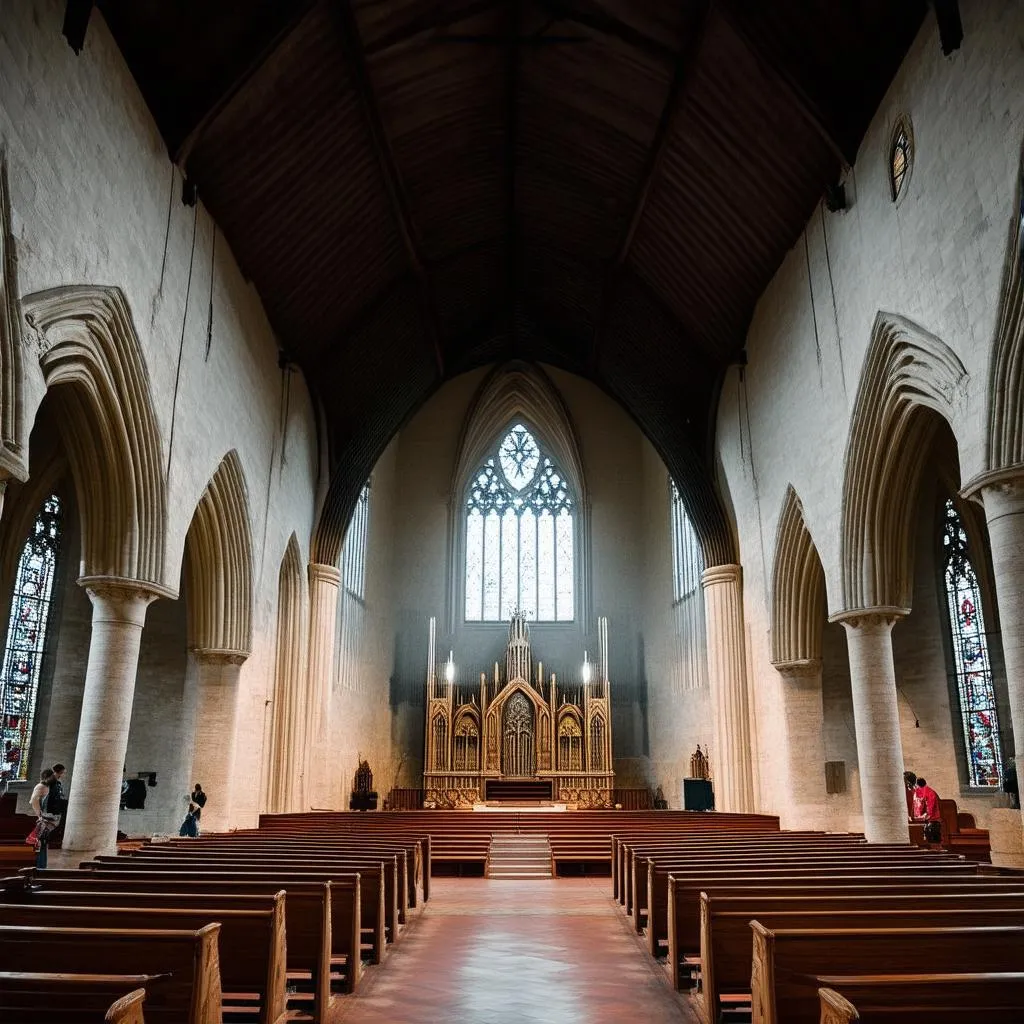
(286, 764)
(518, 395)
(218, 566)
(798, 590)
(1006, 410)
(910, 380)
(92, 361)
(13, 454)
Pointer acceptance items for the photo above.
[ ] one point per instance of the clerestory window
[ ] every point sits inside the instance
(26, 638)
(971, 660)
(687, 554)
(520, 535)
(353, 552)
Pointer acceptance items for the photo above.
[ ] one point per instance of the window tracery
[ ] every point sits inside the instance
(970, 654)
(520, 535)
(901, 156)
(26, 637)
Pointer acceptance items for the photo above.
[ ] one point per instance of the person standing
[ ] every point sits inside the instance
(45, 821)
(196, 803)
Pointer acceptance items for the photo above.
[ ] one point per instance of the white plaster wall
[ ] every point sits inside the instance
(91, 187)
(937, 258)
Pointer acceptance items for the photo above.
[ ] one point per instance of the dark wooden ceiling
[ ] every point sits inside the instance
(419, 187)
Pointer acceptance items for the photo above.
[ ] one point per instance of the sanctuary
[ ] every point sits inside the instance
(526, 739)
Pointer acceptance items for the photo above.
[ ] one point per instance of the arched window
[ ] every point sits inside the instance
(901, 157)
(353, 552)
(970, 654)
(687, 555)
(520, 535)
(26, 637)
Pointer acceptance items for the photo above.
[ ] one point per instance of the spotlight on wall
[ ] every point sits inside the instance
(586, 669)
(449, 668)
(835, 197)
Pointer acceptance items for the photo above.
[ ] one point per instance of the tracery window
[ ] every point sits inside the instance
(353, 552)
(687, 554)
(901, 155)
(520, 535)
(570, 745)
(467, 746)
(970, 654)
(26, 637)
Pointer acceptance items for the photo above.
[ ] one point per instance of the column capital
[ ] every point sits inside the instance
(1009, 479)
(121, 590)
(862, 618)
(213, 657)
(803, 669)
(321, 573)
(716, 574)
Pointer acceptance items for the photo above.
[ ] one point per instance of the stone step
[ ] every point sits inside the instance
(515, 856)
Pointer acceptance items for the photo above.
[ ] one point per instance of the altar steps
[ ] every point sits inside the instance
(514, 856)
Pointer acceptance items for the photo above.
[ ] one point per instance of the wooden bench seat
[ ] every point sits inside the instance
(322, 918)
(26, 996)
(685, 898)
(994, 997)
(190, 994)
(726, 958)
(787, 963)
(254, 938)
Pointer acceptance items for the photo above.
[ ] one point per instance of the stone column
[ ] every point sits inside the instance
(118, 615)
(876, 721)
(804, 716)
(324, 582)
(1004, 512)
(727, 675)
(215, 676)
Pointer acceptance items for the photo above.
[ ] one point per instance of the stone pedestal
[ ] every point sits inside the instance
(118, 615)
(1006, 837)
(1004, 511)
(804, 716)
(216, 708)
(727, 675)
(877, 723)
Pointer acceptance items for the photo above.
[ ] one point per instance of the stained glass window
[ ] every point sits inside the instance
(26, 636)
(970, 654)
(353, 553)
(901, 153)
(687, 554)
(520, 535)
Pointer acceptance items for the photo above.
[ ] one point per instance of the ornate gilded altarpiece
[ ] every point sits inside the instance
(519, 727)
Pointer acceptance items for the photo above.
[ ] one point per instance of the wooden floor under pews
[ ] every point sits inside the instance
(334, 917)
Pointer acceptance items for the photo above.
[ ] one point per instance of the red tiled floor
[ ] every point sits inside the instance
(503, 952)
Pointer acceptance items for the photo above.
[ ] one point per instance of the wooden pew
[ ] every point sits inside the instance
(787, 963)
(322, 918)
(190, 994)
(685, 896)
(998, 998)
(828, 870)
(376, 870)
(26, 996)
(255, 940)
(725, 934)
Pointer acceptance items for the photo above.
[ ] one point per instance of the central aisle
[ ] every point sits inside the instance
(488, 951)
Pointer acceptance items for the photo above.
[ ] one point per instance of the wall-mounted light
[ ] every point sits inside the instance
(449, 667)
(586, 669)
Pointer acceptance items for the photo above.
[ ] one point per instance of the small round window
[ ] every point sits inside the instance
(901, 158)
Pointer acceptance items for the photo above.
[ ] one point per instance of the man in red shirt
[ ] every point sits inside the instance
(926, 802)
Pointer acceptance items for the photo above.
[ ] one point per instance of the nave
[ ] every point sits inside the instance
(487, 951)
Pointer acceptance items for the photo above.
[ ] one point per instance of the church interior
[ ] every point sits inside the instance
(550, 471)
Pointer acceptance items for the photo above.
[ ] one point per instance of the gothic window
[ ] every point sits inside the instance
(518, 754)
(26, 637)
(901, 156)
(597, 744)
(687, 555)
(970, 654)
(520, 535)
(353, 553)
(467, 746)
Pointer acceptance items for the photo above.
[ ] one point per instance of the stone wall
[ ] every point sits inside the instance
(936, 258)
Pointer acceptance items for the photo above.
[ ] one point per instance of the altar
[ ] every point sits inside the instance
(518, 740)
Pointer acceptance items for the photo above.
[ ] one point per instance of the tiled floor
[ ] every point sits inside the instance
(502, 952)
